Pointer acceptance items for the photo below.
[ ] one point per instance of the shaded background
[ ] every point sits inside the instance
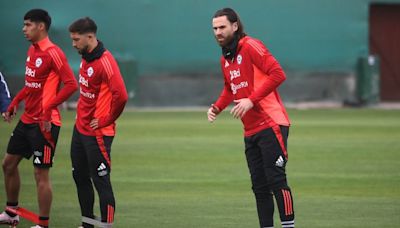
(169, 57)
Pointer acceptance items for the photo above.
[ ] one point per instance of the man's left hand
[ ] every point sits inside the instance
(241, 107)
(94, 124)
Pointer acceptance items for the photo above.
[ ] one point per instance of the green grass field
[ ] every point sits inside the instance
(174, 170)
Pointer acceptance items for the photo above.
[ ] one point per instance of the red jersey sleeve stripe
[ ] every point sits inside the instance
(107, 62)
(107, 66)
(256, 47)
(56, 58)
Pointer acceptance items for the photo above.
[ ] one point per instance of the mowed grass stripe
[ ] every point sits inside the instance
(174, 169)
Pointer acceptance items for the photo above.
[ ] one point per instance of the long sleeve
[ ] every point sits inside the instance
(264, 61)
(17, 99)
(225, 98)
(70, 85)
(119, 96)
(4, 95)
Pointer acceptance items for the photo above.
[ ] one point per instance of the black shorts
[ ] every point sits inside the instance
(266, 156)
(91, 154)
(28, 139)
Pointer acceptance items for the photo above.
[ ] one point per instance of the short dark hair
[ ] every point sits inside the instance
(39, 15)
(83, 26)
(232, 17)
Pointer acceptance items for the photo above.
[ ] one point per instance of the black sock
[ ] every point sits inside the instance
(44, 221)
(13, 205)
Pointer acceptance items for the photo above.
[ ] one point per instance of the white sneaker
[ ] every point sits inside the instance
(37, 226)
(6, 219)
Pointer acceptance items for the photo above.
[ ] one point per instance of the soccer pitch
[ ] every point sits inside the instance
(175, 170)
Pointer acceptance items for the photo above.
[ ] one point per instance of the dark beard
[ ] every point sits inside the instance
(226, 42)
(83, 50)
(229, 50)
(95, 54)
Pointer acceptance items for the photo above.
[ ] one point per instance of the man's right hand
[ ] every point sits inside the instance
(9, 115)
(212, 113)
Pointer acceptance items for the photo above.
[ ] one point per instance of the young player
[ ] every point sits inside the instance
(251, 76)
(102, 100)
(37, 131)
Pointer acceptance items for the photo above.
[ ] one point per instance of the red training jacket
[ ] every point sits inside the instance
(102, 95)
(255, 74)
(46, 66)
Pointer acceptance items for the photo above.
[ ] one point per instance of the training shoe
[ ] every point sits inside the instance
(37, 226)
(6, 219)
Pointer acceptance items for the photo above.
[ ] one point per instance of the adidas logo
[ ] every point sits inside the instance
(280, 162)
(102, 170)
(101, 167)
(226, 64)
(37, 161)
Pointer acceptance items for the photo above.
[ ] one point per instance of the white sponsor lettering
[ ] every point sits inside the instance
(29, 72)
(234, 74)
(34, 85)
(37, 153)
(83, 81)
(102, 173)
(241, 85)
(87, 94)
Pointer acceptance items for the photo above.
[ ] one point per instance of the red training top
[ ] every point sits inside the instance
(46, 66)
(255, 74)
(102, 95)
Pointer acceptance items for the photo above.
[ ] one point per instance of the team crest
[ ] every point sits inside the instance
(90, 71)
(239, 59)
(38, 62)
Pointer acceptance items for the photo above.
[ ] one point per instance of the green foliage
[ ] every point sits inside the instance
(174, 169)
